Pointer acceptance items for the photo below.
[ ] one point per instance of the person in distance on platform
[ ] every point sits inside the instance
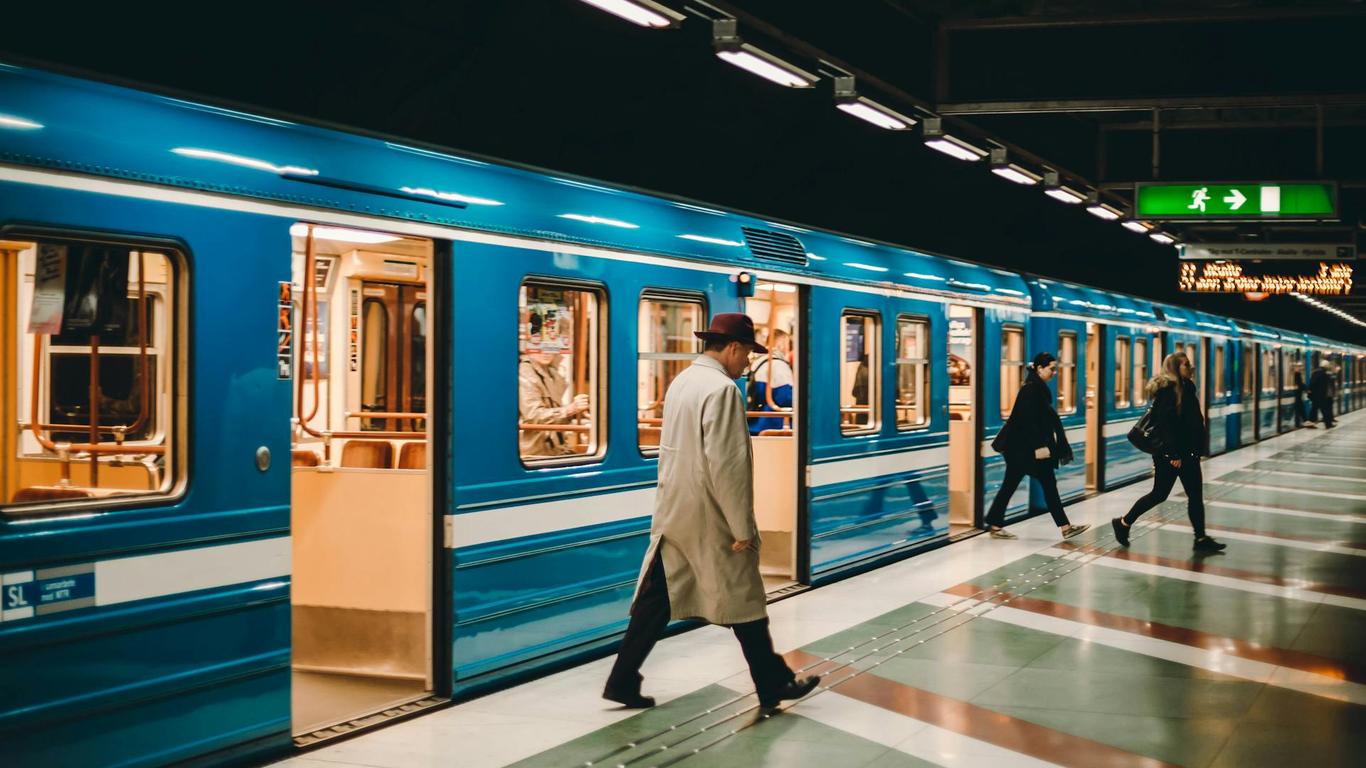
(1033, 443)
(703, 559)
(1299, 395)
(1181, 436)
(1322, 392)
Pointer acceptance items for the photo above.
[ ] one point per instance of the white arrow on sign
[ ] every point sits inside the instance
(1235, 199)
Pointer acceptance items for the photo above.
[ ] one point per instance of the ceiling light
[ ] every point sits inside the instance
(1010, 171)
(712, 240)
(1134, 225)
(599, 220)
(1059, 191)
(642, 12)
(18, 123)
(453, 197)
(732, 50)
(1162, 237)
(1103, 211)
(343, 235)
(954, 147)
(245, 162)
(847, 100)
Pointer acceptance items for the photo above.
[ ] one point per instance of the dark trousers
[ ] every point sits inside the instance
(1324, 407)
(1164, 477)
(1299, 412)
(649, 617)
(1015, 472)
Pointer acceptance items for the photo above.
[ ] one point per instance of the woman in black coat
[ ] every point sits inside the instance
(1033, 443)
(1181, 439)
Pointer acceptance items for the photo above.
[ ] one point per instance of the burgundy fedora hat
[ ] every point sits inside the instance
(732, 326)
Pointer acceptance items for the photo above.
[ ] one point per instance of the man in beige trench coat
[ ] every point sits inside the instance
(703, 560)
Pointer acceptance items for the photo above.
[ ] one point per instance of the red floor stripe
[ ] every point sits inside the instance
(1201, 565)
(981, 723)
(1194, 638)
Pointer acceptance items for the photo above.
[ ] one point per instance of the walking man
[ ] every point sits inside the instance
(1321, 392)
(703, 560)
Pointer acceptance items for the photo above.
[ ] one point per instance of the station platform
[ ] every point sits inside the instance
(1007, 653)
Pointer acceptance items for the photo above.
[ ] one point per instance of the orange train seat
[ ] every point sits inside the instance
(49, 493)
(368, 454)
(412, 456)
(303, 458)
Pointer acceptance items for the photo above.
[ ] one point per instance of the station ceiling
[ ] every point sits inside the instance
(1236, 90)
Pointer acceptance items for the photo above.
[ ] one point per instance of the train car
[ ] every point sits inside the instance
(310, 430)
(1218, 391)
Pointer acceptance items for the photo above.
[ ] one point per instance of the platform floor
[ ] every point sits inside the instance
(1008, 653)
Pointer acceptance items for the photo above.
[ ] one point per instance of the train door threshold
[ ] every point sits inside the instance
(398, 711)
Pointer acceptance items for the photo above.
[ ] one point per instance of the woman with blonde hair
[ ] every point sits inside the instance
(1181, 439)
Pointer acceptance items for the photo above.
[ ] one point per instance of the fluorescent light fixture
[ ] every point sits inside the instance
(1103, 211)
(642, 12)
(1009, 171)
(712, 240)
(342, 234)
(868, 267)
(1054, 188)
(954, 147)
(1134, 225)
(847, 100)
(1162, 237)
(245, 162)
(767, 66)
(1065, 195)
(454, 197)
(18, 123)
(599, 220)
(725, 36)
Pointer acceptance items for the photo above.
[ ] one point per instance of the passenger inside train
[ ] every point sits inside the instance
(361, 484)
(95, 406)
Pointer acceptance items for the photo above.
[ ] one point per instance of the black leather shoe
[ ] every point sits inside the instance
(792, 690)
(1121, 531)
(629, 700)
(1206, 544)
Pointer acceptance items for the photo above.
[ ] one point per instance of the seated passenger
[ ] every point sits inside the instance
(771, 376)
(540, 400)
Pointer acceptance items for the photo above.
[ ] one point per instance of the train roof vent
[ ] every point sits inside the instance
(775, 246)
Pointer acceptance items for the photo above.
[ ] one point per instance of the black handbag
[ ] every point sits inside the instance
(1143, 435)
(1002, 441)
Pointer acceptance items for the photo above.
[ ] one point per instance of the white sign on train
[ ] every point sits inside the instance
(1269, 251)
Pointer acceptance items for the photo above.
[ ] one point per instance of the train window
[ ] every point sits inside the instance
(912, 372)
(1220, 387)
(1067, 372)
(1268, 370)
(559, 373)
(374, 358)
(1292, 363)
(418, 356)
(1248, 370)
(1122, 372)
(1012, 364)
(98, 397)
(1140, 371)
(665, 347)
(858, 373)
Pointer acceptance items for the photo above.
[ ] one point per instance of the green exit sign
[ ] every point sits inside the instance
(1314, 200)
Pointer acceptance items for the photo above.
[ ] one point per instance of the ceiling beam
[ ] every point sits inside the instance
(1054, 106)
(1171, 17)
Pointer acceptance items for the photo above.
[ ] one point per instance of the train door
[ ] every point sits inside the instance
(354, 337)
(963, 422)
(1094, 334)
(774, 391)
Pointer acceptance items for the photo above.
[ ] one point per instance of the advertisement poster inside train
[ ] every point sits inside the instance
(548, 322)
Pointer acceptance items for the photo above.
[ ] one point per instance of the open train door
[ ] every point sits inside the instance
(364, 500)
(965, 468)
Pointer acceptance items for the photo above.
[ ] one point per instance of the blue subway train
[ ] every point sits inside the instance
(307, 431)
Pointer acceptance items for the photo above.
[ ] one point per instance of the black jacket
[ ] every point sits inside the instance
(1034, 424)
(1181, 431)
(1320, 385)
